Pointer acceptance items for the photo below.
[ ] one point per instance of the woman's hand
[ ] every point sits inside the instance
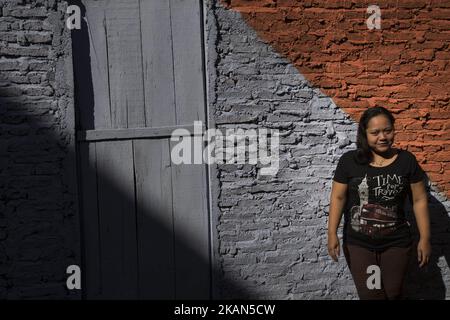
(333, 246)
(423, 252)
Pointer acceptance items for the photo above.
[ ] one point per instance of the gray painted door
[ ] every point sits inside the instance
(139, 69)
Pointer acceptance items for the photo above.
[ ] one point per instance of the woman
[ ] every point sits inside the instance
(370, 185)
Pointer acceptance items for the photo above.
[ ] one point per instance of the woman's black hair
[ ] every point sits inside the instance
(363, 153)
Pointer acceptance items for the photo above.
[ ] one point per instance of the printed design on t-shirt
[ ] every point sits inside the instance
(374, 219)
(388, 186)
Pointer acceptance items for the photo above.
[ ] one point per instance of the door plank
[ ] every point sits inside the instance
(90, 223)
(191, 231)
(188, 60)
(117, 219)
(158, 63)
(125, 64)
(137, 133)
(96, 21)
(155, 221)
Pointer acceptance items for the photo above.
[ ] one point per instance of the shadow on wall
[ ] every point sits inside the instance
(38, 222)
(428, 282)
(36, 244)
(37, 240)
(84, 91)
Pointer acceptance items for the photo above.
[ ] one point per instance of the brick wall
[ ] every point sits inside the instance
(404, 66)
(271, 231)
(38, 219)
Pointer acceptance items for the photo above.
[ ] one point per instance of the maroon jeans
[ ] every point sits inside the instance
(392, 262)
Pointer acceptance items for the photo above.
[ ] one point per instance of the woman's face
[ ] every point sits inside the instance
(380, 134)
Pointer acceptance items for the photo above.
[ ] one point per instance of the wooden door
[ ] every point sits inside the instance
(139, 75)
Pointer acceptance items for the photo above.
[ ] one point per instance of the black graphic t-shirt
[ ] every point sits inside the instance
(373, 213)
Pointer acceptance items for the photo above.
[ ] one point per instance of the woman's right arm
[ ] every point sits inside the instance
(337, 202)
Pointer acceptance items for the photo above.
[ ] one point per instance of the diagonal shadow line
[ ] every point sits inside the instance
(26, 213)
(152, 271)
(28, 216)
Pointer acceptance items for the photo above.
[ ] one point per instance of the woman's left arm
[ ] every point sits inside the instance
(420, 206)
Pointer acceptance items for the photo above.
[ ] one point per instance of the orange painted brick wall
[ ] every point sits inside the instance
(404, 66)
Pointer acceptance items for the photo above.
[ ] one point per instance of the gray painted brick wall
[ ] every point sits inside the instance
(271, 231)
(39, 232)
